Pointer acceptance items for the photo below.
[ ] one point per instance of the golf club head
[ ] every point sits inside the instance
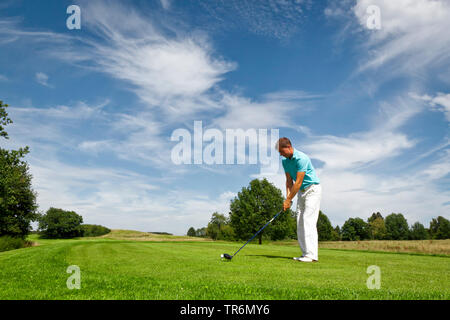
(226, 256)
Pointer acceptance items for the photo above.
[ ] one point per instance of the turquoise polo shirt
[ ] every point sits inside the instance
(300, 162)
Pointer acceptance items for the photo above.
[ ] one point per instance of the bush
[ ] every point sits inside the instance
(11, 243)
(60, 224)
(94, 230)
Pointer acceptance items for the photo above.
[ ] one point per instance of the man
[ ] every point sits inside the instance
(299, 169)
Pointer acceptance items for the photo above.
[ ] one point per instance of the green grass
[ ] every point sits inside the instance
(119, 269)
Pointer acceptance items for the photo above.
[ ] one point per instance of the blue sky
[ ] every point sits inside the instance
(98, 106)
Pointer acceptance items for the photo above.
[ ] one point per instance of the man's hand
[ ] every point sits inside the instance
(287, 204)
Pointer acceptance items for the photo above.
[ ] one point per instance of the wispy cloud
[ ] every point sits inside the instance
(42, 78)
(440, 102)
(120, 198)
(357, 171)
(414, 33)
(279, 19)
(165, 4)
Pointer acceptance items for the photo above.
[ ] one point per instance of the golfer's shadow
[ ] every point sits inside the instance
(268, 256)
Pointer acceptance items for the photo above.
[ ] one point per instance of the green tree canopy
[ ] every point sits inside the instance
(324, 228)
(254, 206)
(17, 199)
(354, 229)
(4, 120)
(219, 228)
(418, 232)
(191, 232)
(377, 228)
(440, 228)
(374, 216)
(60, 224)
(397, 227)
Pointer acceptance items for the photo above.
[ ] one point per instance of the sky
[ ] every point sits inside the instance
(362, 87)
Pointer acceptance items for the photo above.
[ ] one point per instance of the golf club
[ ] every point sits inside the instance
(228, 257)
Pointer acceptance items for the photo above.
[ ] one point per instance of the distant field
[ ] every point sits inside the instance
(146, 236)
(431, 247)
(440, 247)
(167, 269)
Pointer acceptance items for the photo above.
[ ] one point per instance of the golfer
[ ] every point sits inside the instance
(301, 179)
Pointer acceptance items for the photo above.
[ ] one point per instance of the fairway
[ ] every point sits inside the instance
(117, 269)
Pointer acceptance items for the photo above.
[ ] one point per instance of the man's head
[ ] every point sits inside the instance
(284, 147)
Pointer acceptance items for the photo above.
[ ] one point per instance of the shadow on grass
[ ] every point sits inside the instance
(268, 256)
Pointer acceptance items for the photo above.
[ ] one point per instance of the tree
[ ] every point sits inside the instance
(324, 227)
(191, 232)
(60, 224)
(4, 120)
(440, 228)
(336, 234)
(377, 228)
(254, 206)
(418, 232)
(374, 216)
(201, 232)
(355, 229)
(218, 228)
(397, 227)
(17, 199)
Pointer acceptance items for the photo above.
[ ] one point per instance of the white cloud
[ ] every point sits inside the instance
(279, 19)
(440, 102)
(171, 73)
(119, 198)
(244, 113)
(352, 181)
(165, 4)
(414, 33)
(42, 78)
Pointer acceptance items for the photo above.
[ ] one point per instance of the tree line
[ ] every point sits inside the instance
(256, 204)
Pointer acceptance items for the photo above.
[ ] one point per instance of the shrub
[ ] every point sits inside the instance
(94, 230)
(11, 243)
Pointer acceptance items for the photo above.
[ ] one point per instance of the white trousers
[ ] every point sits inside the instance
(308, 206)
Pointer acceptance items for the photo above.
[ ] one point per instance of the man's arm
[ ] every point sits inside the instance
(292, 191)
(289, 184)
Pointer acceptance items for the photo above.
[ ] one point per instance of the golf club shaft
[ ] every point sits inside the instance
(258, 232)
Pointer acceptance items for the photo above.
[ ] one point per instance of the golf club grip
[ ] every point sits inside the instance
(258, 232)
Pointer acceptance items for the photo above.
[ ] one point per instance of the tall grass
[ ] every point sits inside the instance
(412, 246)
